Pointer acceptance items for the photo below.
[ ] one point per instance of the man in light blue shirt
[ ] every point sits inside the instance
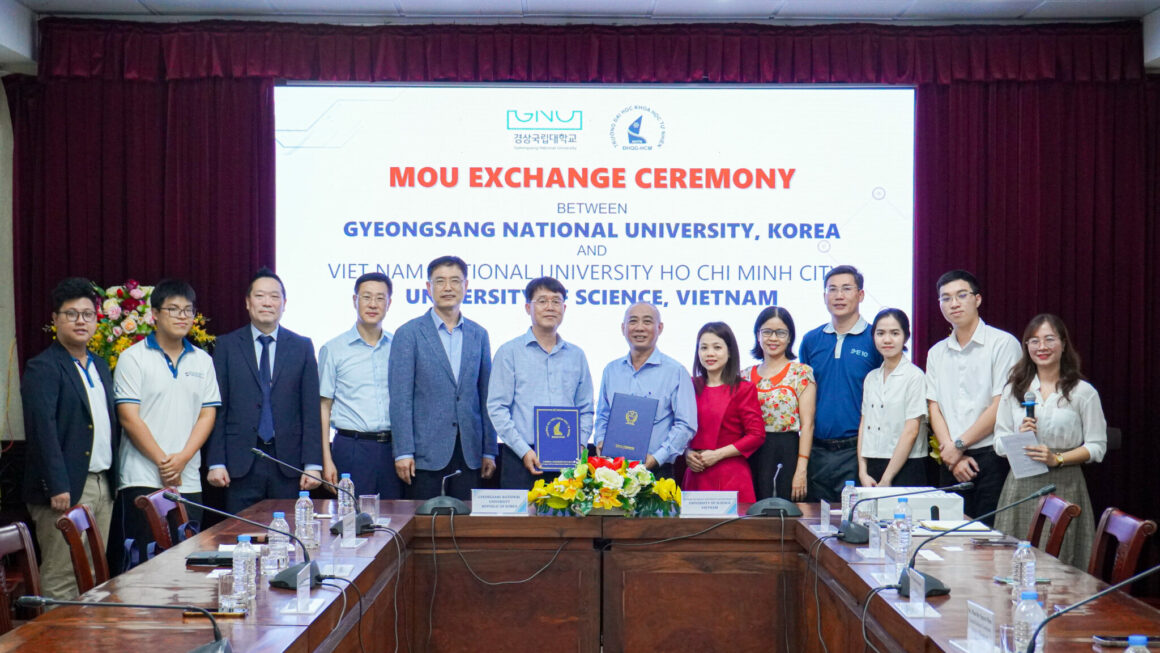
(646, 372)
(536, 369)
(352, 374)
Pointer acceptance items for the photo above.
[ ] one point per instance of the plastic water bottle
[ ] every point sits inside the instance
(345, 499)
(848, 499)
(1027, 617)
(303, 515)
(1022, 570)
(279, 544)
(245, 570)
(905, 527)
(1137, 644)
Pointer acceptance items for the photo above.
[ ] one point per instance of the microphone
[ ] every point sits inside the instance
(362, 521)
(218, 645)
(1082, 602)
(935, 587)
(443, 504)
(288, 577)
(1029, 404)
(774, 505)
(852, 533)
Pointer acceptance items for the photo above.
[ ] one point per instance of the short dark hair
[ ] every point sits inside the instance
(958, 275)
(167, 288)
(374, 276)
(73, 288)
(265, 273)
(731, 375)
(767, 314)
(546, 283)
(903, 321)
(446, 260)
(845, 269)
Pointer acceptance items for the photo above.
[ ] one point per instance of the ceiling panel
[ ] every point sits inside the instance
(726, 9)
(209, 7)
(973, 10)
(591, 8)
(461, 7)
(834, 9)
(85, 6)
(1050, 9)
(346, 7)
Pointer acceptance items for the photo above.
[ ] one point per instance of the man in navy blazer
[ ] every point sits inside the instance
(72, 432)
(268, 378)
(439, 369)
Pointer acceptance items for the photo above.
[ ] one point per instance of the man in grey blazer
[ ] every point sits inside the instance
(438, 374)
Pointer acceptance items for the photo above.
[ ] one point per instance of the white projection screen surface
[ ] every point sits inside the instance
(710, 202)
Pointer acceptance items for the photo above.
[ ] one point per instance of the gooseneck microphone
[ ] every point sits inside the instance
(853, 533)
(1029, 404)
(362, 522)
(1083, 602)
(934, 586)
(443, 504)
(218, 645)
(288, 577)
(774, 505)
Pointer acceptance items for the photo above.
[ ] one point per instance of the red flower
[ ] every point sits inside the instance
(130, 304)
(138, 338)
(131, 284)
(596, 462)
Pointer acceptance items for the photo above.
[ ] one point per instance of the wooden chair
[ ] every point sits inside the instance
(74, 522)
(16, 543)
(161, 513)
(1060, 513)
(1129, 533)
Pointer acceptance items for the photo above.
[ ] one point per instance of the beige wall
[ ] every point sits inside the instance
(11, 415)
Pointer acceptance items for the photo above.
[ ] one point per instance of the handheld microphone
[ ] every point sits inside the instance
(853, 533)
(218, 645)
(362, 521)
(1082, 602)
(1029, 404)
(443, 504)
(288, 577)
(935, 587)
(774, 505)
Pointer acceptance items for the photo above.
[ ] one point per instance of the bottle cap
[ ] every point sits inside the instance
(1034, 596)
(303, 494)
(243, 538)
(899, 515)
(279, 515)
(849, 483)
(1137, 640)
(1024, 545)
(345, 476)
(903, 500)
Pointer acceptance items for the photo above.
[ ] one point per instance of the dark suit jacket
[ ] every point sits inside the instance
(59, 426)
(294, 395)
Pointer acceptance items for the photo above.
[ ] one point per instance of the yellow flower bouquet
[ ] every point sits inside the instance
(606, 484)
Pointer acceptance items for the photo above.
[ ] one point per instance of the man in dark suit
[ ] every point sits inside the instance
(438, 374)
(268, 378)
(72, 432)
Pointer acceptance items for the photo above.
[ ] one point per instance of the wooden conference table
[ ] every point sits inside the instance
(624, 584)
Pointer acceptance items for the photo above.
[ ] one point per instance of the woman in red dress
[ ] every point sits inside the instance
(729, 423)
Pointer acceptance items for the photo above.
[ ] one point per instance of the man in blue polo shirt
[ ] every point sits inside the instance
(842, 353)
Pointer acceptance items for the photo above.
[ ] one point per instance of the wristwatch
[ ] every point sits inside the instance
(960, 445)
(1059, 460)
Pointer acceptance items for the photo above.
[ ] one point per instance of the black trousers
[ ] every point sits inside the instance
(984, 497)
(513, 474)
(912, 474)
(429, 482)
(781, 448)
(130, 523)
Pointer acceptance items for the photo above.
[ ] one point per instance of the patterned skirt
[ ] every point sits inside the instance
(1069, 486)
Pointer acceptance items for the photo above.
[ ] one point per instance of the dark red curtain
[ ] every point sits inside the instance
(145, 149)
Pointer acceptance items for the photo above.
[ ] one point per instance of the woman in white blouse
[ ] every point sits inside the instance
(890, 453)
(1069, 426)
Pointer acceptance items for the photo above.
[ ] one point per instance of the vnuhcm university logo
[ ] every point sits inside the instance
(637, 127)
(557, 428)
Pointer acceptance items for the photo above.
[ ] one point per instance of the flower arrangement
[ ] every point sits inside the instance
(607, 484)
(124, 318)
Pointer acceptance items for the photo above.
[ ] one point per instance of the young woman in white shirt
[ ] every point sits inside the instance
(890, 451)
(1069, 427)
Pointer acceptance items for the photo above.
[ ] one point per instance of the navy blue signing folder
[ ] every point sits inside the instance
(630, 425)
(557, 436)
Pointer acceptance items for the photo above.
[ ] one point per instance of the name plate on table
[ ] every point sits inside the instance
(499, 503)
(980, 629)
(630, 425)
(716, 503)
(557, 436)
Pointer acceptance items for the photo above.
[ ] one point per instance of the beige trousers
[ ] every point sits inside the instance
(57, 579)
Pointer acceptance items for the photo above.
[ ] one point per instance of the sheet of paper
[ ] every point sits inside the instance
(1021, 465)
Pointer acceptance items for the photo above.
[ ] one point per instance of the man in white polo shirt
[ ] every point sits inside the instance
(167, 398)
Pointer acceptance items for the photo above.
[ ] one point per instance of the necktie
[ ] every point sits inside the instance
(266, 420)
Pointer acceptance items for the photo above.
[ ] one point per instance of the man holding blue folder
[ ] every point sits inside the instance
(649, 375)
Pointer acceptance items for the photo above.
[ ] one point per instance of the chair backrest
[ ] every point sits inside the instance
(17, 543)
(1060, 513)
(74, 522)
(159, 513)
(1129, 533)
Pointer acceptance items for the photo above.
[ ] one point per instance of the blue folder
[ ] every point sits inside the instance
(557, 436)
(630, 425)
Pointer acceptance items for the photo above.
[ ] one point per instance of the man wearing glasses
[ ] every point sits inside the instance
(269, 382)
(439, 370)
(72, 435)
(538, 368)
(841, 353)
(965, 375)
(167, 398)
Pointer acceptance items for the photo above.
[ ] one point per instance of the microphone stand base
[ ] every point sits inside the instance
(443, 505)
(362, 525)
(852, 533)
(219, 646)
(773, 507)
(934, 586)
(288, 577)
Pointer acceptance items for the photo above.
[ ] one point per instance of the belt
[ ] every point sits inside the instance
(383, 437)
(837, 444)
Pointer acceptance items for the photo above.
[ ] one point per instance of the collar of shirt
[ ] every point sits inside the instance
(353, 336)
(151, 343)
(440, 324)
(859, 327)
(530, 339)
(255, 333)
(979, 337)
(653, 359)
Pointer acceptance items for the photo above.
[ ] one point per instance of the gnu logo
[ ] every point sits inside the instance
(634, 137)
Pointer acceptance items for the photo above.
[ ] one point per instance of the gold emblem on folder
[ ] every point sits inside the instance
(630, 418)
(557, 428)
